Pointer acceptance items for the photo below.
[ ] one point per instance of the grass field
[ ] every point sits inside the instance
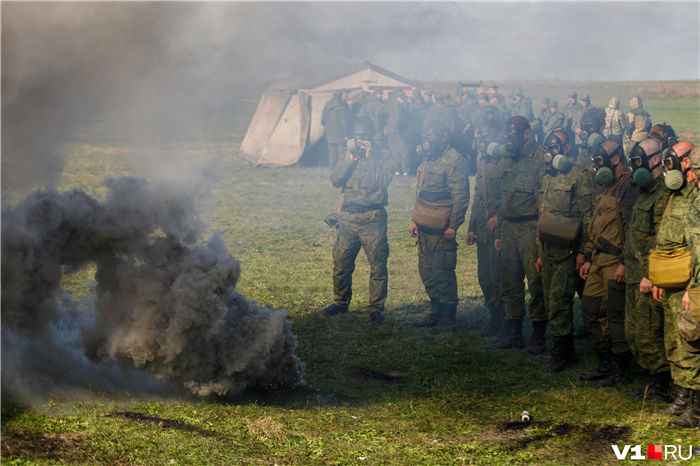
(375, 394)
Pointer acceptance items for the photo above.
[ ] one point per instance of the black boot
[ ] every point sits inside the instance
(657, 388)
(600, 372)
(581, 332)
(333, 310)
(376, 317)
(680, 402)
(538, 343)
(691, 416)
(432, 319)
(513, 338)
(557, 359)
(570, 355)
(619, 373)
(448, 323)
(495, 325)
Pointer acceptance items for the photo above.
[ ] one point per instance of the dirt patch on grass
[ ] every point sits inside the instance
(162, 422)
(62, 448)
(685, 135)
(392, 378)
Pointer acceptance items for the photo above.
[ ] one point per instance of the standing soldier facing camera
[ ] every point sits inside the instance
(364, 175)
(441, 205)
(335, 118)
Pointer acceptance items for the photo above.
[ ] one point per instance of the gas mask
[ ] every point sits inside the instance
(486, 137)
(673, 172)
(602, 162)
(515, 140)
(363, 130)
(555, 159)
(639, 161)
(434, 141)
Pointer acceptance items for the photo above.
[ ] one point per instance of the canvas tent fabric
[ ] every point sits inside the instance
(287, 121)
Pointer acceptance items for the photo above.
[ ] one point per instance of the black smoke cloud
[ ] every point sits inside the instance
(164, 305)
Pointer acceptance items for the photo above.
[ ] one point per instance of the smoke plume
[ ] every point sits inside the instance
(164, 304)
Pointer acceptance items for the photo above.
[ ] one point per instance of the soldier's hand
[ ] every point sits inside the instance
(492, 224)
(368, 147)
(686, 301)
(580, 260)
(645, 286)
(497, 245)
(585, 268)
(619, 274)
(471, 236)
(414, 230)
(538, 265)
(578, 130)
(450, 233)
(657, 292)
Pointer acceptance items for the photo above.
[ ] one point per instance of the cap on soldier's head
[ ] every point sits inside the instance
(695, 160)
(364, 125)
(378, 91)
(519, 121)
(338, 93)
(493, 86)
(518, 92)
(493, 96)
(346, 91)
(484, 96)
(400, 93)
(573, 94)
(553, 104)
(545, 100)
(585, 98)
(437, 96)
(427, 92)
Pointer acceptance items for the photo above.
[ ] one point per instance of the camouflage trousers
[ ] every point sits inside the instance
(518, 261)
(335, 151)
(437, 259)
(685, 366)
(489, 274)
(644, 329)
(398, 147)
(559, 286)
(367, 231)
(603, 307)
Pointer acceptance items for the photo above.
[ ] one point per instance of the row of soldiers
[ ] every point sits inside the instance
(583, 224)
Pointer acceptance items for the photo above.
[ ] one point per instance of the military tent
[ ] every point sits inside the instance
(287, 122)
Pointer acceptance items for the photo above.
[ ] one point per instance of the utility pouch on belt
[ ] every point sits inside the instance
(332, 218)
(670, 269)
(555, 229)
(430, 215)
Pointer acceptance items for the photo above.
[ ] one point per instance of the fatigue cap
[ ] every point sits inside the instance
(400, 93)
(427, 92)
(484, 96)
(585, 98)
(437, 96)
(574, 95)
(378, 91)
(553, 104)
(545, 100)
(518, 92)
(695, 160)
(493, 86)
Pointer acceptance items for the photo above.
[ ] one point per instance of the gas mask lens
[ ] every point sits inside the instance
(598, 161)
(554, 149)
(363, 136)
(668, 164)
(636, 162)
(428, 137)
(672, 141)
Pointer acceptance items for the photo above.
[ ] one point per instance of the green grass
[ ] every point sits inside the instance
(389, 393)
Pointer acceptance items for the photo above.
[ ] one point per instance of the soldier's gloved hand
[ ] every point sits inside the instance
(585, 268)
(646, 286)
(580, 260)
(497, 245)
(492, 224)
(471, 237)
(413, 230)
(538, 265)
(619, 274)
(686, 301)
(450, 233)
(657, 292)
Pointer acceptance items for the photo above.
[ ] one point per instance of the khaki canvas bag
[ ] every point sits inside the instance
(555, 229)
(430, 215)
(670, 269)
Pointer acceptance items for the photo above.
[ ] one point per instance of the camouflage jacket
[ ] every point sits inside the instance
(483, 211)
(691, 222)
(615, 124)
(556, 121)
(377, 111)
(518, 195)
(441, 112)
(671, 233)
(399, 119)
(447, 174)
(604, 236)
(568, 194)
(523, 108)
(545, 116)
(484, 112)
(335, 118)
(647, 214)
(365, 180)
(573, 114)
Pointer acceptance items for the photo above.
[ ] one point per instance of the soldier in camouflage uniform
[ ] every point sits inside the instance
(335, 118)
(521, 105)
(516, 235)
(503, 113)
(615, 123)
(377, 111)
(685, 365)
(638, 123)
(544, 118)
(603, 302)
(364, 178)
(484, 113)
(440, 111)
(556, 118)
(573, 113)
(591, 127)
(482, 226)
(442, 178)
(568, 192)
(688, 323)
(644, 317)
(397, 129)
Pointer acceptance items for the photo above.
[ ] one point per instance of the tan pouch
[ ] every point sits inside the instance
(562, 231)
(670, 269)
(431, 215)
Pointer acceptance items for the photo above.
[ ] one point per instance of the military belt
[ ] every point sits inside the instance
(359, 209)
(434, 197)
